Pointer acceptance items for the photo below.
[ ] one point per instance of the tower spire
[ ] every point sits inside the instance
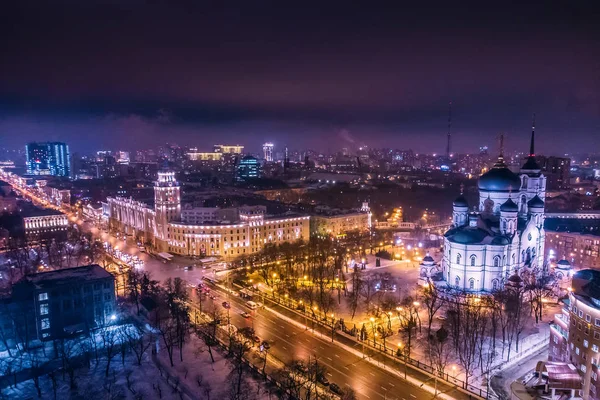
(532, 144)
(501, 155)
(449, 135)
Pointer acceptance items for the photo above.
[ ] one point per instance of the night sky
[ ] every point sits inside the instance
(324, 75)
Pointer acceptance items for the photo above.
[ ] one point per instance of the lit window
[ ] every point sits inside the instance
(588, 318)
(43, 296)
(580, 314)
(44, 309)
(586, 343)
(594, 348)
(45, 323)
(575, 309)
(556, 339)
(577, 350)
(583, 368)
(45, 334)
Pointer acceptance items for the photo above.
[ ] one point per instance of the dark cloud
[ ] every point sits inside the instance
(298, 71)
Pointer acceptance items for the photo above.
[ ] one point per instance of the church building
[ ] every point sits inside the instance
(501, 235)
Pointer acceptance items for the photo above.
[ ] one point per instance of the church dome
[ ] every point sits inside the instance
(428, 258)
(500, 179)
(515, 280)
(536, 202)
(460, 201)
(509, 206)
(468, 236)
(563, 264)
(500, 240)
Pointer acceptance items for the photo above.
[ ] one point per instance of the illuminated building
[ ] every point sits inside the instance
(268, 151)
(58, 304)
(201, 231)
(49, 158)
(575, 331)
(247, 168)
(44, 224)
(506, 233)
(228, 149)
(338, 225)
(200, 156)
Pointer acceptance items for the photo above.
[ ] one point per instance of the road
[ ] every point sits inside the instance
(289, 342)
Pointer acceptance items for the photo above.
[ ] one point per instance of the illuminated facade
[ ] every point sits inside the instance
(268, 151)
(228, 149)
(228, 233)
(575, 332)
(338, 225)
(45, 225)
(506, 233)
(50, 158)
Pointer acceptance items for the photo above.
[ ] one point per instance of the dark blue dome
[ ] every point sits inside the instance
(468, 236)
(428, 259)
(460, 201)
(500, 179)
(536, 202)
(500, 240)
(564, 262)
(509, 206)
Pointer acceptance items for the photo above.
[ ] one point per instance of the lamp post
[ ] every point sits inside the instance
(332, 326)
(401, 352)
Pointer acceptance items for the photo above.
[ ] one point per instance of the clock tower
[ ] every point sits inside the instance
(167, 203)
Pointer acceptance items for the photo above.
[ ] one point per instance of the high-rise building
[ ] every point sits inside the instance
(248, 168)
(268, 151)
(48, 158)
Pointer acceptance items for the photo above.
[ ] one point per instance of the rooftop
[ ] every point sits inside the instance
(38, 212)
(67, 276)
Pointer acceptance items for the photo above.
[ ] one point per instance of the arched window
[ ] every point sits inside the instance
(504, 260)
(503, 225)
(473, 260)
(458, 258)
(471, 283)
(497, 261)
(525, 182)
(495, 284)
(513, 258)
(457, 281)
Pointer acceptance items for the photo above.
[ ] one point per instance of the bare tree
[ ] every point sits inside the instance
(432, 302)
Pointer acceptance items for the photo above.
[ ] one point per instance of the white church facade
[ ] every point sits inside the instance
(501, 235)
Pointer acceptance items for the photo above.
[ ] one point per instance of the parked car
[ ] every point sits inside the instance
(323, 380)
(226, 304)
(335, 388)
(245, 314)
(265, 345)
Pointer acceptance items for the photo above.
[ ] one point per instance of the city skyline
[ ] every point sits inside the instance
(382, 77)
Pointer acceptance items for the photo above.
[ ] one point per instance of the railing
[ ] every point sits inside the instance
(353, 334)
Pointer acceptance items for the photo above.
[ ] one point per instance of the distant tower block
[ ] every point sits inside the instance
(268, 151)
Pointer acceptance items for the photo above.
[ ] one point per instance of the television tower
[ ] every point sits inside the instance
(449, 135)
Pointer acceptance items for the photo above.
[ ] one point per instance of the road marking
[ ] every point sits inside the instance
(337, 356)
(372, 374)
(412, 395)
(329, 374)
(329, 359)
(322, 348)
(285, 348)
(347, 368)
(383, 388)
(391, 384)
(286, 335)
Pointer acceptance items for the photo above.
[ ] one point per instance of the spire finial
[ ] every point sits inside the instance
(532, 144)
(462, 188)
(449, 135)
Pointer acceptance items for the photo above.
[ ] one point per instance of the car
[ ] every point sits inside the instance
(245, 314)
(212, 297)
(256, 339)
(323, 380)
(265, 345)
(335, 388)
(252, 305)
(188, 267)
(226, 304)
